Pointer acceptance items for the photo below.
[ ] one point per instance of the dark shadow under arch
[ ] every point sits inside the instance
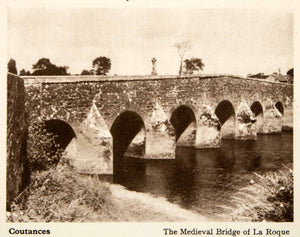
(125, 127)
(280, 107)
(256, 108)
(181, 118)
(224, 111)
(63, 131)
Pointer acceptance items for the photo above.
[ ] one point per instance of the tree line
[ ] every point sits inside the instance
(43, 67)
(102, 65)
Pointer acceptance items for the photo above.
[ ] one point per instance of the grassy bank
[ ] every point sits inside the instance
(61, 195)
(268, 197)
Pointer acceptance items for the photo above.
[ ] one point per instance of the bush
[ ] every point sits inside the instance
(269, 198)
(61, 195)
(42, 150)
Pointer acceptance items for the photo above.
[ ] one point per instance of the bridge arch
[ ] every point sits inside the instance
(280, 107)
(183, 120)
(128, 132)
(226, 115)
(63, 131)
(258, 112)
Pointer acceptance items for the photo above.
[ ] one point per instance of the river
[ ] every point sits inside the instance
(205, 180)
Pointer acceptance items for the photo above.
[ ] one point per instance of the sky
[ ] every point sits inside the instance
(233, 41)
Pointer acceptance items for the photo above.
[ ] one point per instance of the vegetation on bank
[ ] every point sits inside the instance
(269, 198)
(62, 195)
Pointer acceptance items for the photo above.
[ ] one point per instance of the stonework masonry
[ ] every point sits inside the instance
(16, 136)
(71, 99)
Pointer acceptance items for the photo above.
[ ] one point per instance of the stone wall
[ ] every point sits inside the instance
(71, 99)
(16, 137)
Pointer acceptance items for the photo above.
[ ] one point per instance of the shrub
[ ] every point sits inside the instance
(61, 195)
(42, 149)
(269, 198)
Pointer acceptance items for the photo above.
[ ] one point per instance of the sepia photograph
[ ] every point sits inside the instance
(144, 114)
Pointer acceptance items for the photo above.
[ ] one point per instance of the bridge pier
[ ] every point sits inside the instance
(245, 128)
(188, 137)
(160, 136)
(137, 146)
(273, 120)
(259, 124)
(208, 130)
(91, 151)
(228, 128)
(288, 120)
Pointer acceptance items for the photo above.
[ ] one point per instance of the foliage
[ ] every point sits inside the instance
(45, 67)
(269, 198)
(85, 72)
(182, 47)
(61, 195)
(290, 72)
(102, 65)
(23, 72)
(11, 66)
(42, 150)
(193, 64)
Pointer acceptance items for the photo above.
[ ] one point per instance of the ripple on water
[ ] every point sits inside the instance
(205, 180)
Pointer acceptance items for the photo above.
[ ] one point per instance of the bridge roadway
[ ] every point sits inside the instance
(98, 119)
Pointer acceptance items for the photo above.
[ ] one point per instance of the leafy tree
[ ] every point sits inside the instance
(290, 72)
(102, 65)
(193, 64)
(23, 72)
(45, 67)
(182, 47)
(85, 72)
(42, 149)
(11, 66)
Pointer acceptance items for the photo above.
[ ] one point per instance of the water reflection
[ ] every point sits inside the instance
(205, 179)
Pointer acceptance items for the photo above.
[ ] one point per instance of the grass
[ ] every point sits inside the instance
(61, 195)
(269, 197)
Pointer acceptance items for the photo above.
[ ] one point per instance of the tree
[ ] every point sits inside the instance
(45, 67)
(102, 65)
(290, 72)
(182, 47)
(193, 64)
(23, 72)
(85, 72)
(11, 66)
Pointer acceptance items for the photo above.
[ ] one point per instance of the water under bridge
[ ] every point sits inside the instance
(99, 119)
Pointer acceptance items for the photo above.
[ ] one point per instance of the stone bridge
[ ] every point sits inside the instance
(100, 119)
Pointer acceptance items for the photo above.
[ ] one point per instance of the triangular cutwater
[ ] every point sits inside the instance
(95, 121)
(159, 120)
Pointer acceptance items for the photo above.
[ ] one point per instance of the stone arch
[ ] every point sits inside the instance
(128, 132)
(63, 132)
(258, 112)
(279, 107)
(183, 120)
(226, 115)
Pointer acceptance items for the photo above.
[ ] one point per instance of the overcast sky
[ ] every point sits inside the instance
(228, 41)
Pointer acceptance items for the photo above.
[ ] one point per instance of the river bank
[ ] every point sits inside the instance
(61, 195)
